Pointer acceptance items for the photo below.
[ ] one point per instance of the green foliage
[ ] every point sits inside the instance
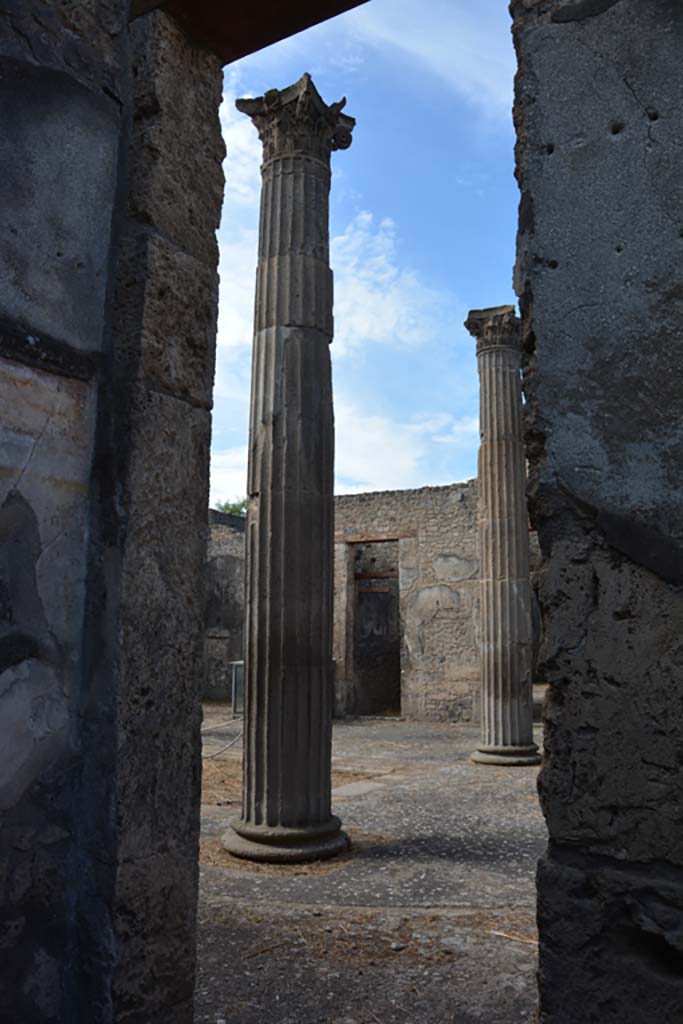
(236, 507)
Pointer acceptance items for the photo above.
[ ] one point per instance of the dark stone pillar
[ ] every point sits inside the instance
(506, 637)
(111, 193)
(65, 95)
(599, 95)
(286, 812)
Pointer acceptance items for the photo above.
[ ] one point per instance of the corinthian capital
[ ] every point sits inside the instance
(296, 120)
(496, 327)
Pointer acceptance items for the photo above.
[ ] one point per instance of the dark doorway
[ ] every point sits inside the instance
(377, 633)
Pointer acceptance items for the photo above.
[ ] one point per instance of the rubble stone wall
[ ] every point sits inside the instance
(224, 602)
(111, 194)
(64, 82)
(436, 529)
(599, 95)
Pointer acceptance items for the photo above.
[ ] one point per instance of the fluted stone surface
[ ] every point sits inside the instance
(506, 637)
(286, 803)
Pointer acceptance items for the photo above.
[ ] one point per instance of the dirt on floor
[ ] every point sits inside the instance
(211, 852)
(222, 780)
(428, 918)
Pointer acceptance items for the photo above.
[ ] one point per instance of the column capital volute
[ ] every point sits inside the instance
(297, 121)
(495, 328)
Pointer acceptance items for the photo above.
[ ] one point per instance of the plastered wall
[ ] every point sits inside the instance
(436, 530)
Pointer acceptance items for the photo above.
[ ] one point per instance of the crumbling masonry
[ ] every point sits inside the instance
(599, 95)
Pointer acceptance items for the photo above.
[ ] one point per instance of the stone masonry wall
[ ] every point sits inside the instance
(436, 529)
(111, 194)
(64, 90)
(599, 96)
(224, 602)
(165, 312)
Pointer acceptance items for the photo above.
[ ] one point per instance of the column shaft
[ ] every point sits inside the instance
(506, 632)
(286, 810)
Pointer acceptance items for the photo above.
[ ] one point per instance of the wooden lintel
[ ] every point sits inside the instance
(233, 30)
(373, 538)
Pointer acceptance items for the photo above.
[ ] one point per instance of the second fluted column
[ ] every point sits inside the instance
(286, 802)
(506, 637)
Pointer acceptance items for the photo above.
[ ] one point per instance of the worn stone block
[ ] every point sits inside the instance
(166, 328)
(45, 462)
(155, 910)
(599, 249)
(162, 624)
(613, 932)
(59, 152)
(617, 797)
(176, 183)
(601, 301)
(87, 39)
(45, 459)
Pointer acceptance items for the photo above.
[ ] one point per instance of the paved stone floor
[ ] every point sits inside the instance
(428, 919)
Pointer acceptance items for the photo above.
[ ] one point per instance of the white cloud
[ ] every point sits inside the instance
(374, 452)
(228, 474)
(466, 45)
(238, 244)
(243, 148)
(238, 281)
(463, 433)
(375, 299)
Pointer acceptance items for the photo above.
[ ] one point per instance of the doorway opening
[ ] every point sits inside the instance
(377, 633)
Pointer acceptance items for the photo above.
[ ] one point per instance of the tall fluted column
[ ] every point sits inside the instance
(286, 802)
(506, 636)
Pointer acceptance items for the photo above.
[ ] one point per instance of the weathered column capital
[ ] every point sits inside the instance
(297, 121)
(495, 328)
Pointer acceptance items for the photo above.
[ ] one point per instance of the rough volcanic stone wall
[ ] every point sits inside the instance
(437, 534)
(64, 88)
(599, 96)
(165, 326)
(111, 193)
(224, 602)
(436, 528)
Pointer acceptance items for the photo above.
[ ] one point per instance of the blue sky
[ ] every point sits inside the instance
(423, 218)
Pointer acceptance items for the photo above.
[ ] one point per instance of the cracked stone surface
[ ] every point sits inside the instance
(598, 277)
(430, 917)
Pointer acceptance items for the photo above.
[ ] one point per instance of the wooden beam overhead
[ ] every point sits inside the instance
(233, 30)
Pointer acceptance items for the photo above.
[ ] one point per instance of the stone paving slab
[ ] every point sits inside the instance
(430, 916)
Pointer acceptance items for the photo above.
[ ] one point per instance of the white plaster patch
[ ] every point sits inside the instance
(453, 567)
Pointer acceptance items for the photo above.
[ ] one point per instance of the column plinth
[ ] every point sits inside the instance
(506, 630)
(286, 799)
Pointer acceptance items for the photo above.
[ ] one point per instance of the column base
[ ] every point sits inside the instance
(275, 844)
(527, 755)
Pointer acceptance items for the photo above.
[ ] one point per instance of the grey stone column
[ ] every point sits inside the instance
(286, 813)
(506, 637)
